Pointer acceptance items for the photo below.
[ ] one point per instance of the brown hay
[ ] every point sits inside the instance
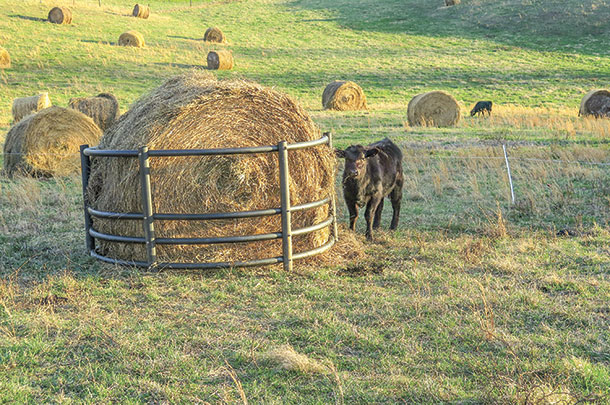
(25, 106)
(195, 110)
(103, 109)
(435, 108)
(452, 2)
(596, 103)
(286, 358)
(60, 15)
(220, 60)
(47, 143)
(214, 34)
(343, 96)
(5, 59)
(141, 11)
(132, 38)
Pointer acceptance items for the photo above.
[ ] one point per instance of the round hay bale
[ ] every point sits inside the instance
(103, 109)
(595, 103)
(141, 11)
(24, 106)
(435, 108)
(132, 38)
(195, 110)
(452, 2)
(343, 96)
(5, 59)
(47, 143)
(214, 34)
(220, 60)
(60, 15)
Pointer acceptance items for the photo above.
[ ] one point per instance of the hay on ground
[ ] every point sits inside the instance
(220, 60)
(5, 59)
(103, 108)
(452, 2)
(141, 11)
(343, 96)
(60, 15)
(214, 34)
(47, 143)
(132, 38)
(596, 103)
(195, 110)
(435, 108)
(286, 358)
(24, 106)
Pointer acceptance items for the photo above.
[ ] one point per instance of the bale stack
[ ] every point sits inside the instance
(195, 110)
(60, 15)
(5, 59)
(132, 38)
(214, 34)
(220, 60)
(24, 106)
(103, 109)
(343, 96)
(435, 108)
(47, 143)
(141, 11)
(452, 2)
(595, 103)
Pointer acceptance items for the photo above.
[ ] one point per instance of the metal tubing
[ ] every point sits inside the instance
(307, 206)
(148, 220)
(313, 228)
(313, 252)
(115, 215)
(510, 179)
(85, 164)
(223, 239)
(285, 200)
(308, 144)
(218, 215)
(333, 202)
(117, 238)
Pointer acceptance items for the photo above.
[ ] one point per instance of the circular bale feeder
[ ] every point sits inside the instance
(46, 144)
(24, 106)
(595, 103)
(132, 38)
(103, 109)
(220, 60)
(343, 96)
(60, 15)
(435, 108)
(5, 59)
(141, 11)
(203, 173)
(214, 34)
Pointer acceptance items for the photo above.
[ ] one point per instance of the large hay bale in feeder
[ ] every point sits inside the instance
(452, 2)
(60, 15)
(343, 96)
(214, 34)
(103, 108)
(220, 60)
(141, 11)
(595, 103)
(47, 143)
(132, 38)
(435, 108)
(195, 110)
(5, 59)
(24, 106)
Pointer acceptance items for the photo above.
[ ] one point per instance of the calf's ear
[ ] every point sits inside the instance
(371, 152)
(340, 153)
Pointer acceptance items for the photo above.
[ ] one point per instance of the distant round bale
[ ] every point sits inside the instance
(60, 15)
(5, 59)
(220, 60)
(596, 103)
(452, 2)
(214, 34)
(132, 38)
(103, 109)
(47, 143)
(194, 110)
(24, 106)
(141, 11)
(435, 108)
(343, 96)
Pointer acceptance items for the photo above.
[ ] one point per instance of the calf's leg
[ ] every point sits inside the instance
(396, 198)
(353, 215)
(377, 220)
(371, 207)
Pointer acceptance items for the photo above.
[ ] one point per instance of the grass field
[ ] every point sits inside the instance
(472, 300)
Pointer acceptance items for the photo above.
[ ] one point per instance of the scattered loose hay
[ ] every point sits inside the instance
(195, 110)
(47, 143)
(5, 59)
(220, 60)
(60, 15)
(452, 2)
(343, 96)
(596, 103)
(141, 11)
(286, 358)
(214, 34)
(103, 109)
(132, 38)
(25, 106)
(435, 108)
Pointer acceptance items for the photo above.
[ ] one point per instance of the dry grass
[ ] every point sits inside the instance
(286, 358)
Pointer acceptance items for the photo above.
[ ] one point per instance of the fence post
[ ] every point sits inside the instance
(510, 179)
(85, 165)
(285, 206)
(148, 221)
(333, 202)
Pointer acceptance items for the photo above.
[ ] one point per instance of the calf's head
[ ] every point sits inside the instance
(356, 160)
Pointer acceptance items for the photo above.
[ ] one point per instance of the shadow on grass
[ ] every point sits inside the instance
(187, 38)
(182, 65)
(27, 17)
(91, 41)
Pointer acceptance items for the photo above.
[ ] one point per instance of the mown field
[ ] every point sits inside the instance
(472, 300)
